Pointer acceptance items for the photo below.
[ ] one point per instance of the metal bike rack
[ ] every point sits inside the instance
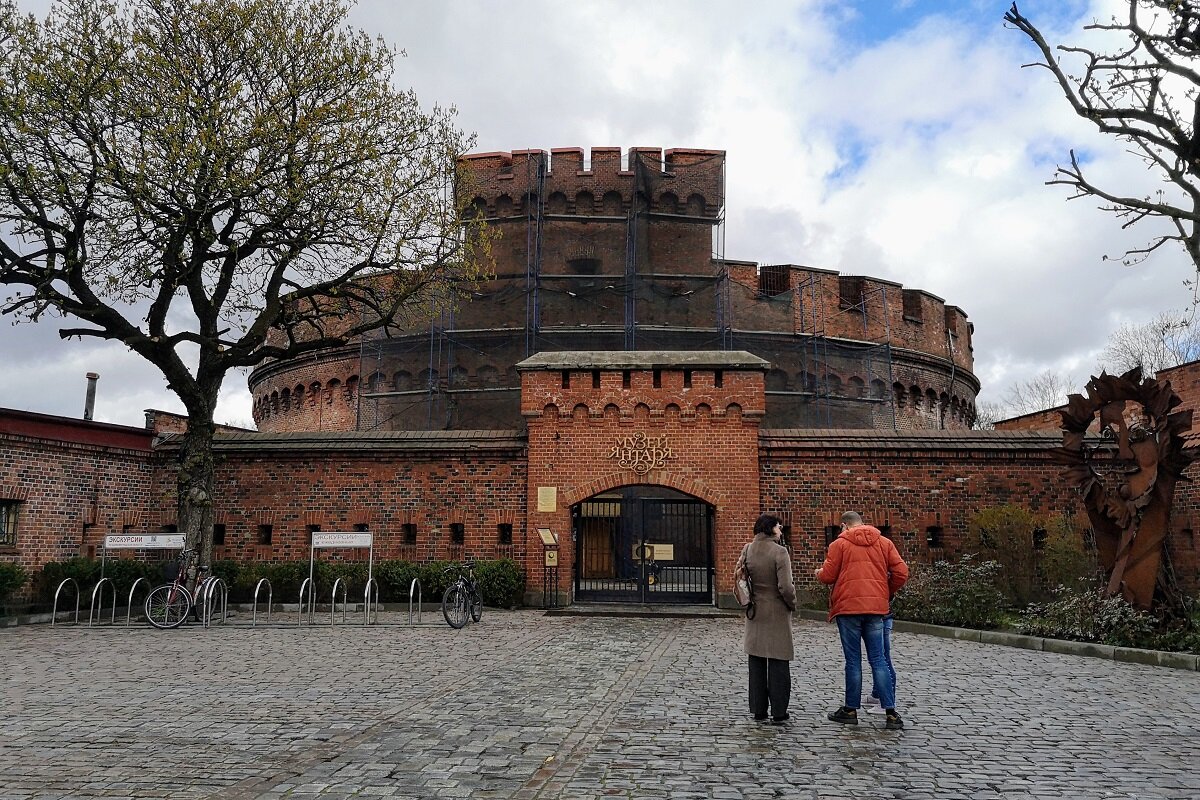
(211, 587)
(414, 586)
(98, 613)
(270, 596)
(333, 601)
(367, 602)
(307, 586)
(54, 611)
(129, 608)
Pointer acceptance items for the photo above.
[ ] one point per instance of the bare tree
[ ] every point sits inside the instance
(1140, 87)
(1168, 340)
(1047, 390)
(215, 184)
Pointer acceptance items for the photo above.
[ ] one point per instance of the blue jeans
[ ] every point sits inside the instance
(887, 652)
(856, 629)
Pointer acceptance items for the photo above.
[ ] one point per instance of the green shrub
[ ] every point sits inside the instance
(12, 578)
(1085, 615)
(395, 581)
(501, 583)
(1063, 559)
(962, 593)
(1035, 553)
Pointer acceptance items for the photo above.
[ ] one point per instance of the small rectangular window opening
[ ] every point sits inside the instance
(361, 527)
(626, 380)
(8, 523)
(566, 379)
(886, 530)
(933, 536)
(1039, 538)
(658, 379)
(595, 379)
(458, 533)
(264, 534)
(718, 379)
(687, 379)
(408, 532)
(504, 532)
(831, 533)
(218, 535)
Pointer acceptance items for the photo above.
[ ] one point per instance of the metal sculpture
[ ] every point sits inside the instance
(1127, 477)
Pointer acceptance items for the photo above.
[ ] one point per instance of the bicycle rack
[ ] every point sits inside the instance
(270, 596)
(367, 603)
(414, 586)
(98, 612)
(129, 608)
(211, 586)
(333, 600)
(54, 611)
(312, 601)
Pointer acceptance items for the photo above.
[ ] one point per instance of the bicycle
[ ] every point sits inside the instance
(461, 600)
(168, 606)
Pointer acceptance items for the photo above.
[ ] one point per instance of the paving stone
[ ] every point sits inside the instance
(528, 706)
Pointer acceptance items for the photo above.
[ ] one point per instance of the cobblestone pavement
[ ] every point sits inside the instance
(527, 706)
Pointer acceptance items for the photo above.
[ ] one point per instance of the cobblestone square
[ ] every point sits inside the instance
(528, 706)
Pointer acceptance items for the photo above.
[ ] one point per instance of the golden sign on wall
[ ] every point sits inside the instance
(641, 453)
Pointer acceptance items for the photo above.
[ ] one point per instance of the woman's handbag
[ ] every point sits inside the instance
(743, 587)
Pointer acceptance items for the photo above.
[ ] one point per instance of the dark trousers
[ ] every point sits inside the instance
(770, 679)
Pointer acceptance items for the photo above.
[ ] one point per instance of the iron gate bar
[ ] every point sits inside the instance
(615, 559)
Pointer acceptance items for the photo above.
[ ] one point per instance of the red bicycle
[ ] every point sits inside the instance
(168, 606)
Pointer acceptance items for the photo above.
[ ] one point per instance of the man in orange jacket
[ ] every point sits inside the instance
(865, 570)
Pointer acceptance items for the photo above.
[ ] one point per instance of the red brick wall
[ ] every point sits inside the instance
(71, 493)
(712, 433)
(430, 481)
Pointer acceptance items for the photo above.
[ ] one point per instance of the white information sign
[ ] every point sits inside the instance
(144, 541)
(341, 539)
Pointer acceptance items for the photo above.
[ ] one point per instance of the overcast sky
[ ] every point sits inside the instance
(890, 138)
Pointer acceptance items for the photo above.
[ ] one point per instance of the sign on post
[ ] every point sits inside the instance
(341, 539)
(144, 541)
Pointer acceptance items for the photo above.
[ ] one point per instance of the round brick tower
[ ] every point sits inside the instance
(623, 254)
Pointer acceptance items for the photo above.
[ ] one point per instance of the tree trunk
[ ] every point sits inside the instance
(195, 487)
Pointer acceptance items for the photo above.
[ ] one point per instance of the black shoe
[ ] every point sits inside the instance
(846, 716)
(894, 722)
(780, 720)
(760, 717)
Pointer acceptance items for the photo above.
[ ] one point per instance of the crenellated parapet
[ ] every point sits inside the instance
(677, 181)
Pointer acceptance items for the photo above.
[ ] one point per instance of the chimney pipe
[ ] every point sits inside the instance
(89, 404)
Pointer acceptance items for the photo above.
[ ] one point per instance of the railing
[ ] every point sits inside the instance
(54, 611)
(211, 587)
(371, 602)
(308, 587)
(270, 597)
(97, 612)
(333, 600)
(414, 586)
(129, 608)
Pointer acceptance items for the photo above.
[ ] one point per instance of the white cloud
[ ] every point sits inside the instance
(921, 158)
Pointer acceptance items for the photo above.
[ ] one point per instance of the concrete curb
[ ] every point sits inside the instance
(1131, 655)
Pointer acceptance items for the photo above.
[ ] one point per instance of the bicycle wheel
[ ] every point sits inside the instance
(167, 606)
(454, 606)
(476, 606)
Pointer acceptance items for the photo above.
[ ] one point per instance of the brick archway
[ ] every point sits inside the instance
(616, 479)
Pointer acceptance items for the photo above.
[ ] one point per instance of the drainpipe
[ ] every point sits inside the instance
(89, 404)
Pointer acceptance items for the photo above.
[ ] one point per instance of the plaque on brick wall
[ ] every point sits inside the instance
(547, 498)
(641, 453)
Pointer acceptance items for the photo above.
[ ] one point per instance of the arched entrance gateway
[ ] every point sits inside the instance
(644, 467)
(645, 544)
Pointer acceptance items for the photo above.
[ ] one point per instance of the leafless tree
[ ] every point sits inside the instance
(1139, 84)
(1168, 340)
(1047, 390)
(215, 184)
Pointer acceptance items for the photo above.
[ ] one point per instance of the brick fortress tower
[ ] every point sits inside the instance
(625, 254)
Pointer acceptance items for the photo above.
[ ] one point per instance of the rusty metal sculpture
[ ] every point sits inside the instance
(1128, 478)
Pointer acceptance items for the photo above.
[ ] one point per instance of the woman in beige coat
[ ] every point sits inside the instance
(768, 640)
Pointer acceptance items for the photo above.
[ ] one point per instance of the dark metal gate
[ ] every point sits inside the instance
(643, 549)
